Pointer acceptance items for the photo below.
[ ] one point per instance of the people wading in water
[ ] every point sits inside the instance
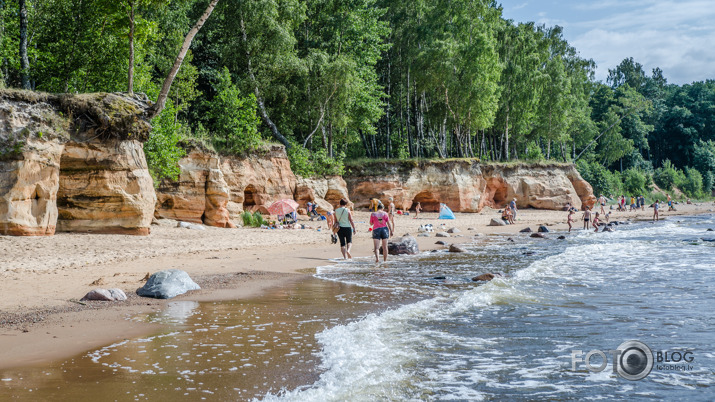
(381, 231)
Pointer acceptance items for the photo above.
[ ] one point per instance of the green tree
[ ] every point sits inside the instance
(235, 122)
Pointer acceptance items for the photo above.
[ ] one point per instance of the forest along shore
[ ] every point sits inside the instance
(43, 278)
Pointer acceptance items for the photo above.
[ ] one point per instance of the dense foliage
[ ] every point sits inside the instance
(334, 79)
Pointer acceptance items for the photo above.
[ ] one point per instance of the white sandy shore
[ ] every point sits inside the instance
(48, 273)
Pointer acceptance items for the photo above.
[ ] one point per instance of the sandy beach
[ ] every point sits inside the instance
(43, 278)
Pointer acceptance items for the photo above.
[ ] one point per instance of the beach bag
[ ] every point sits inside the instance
(336, 223)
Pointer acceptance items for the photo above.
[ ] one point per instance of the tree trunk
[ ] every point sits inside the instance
(130, 80)
(24, 61)
(506, 134)
(164, 93)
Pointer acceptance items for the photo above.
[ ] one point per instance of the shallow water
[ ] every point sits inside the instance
(365, 332)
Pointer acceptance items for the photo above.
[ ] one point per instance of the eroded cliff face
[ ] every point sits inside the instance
(200, 195)
(215, 189)
(81, 150)
(469, 186)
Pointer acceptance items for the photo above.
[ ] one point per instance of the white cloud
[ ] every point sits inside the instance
(677, 37)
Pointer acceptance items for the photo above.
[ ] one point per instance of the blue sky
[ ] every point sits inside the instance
(677, 36)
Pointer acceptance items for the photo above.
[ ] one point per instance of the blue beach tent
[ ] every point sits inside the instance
(445, 212)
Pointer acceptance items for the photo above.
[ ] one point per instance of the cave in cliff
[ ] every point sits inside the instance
(249, 197)
(429, 202)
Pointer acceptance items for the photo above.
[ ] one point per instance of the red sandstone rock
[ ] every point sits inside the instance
(468, 186)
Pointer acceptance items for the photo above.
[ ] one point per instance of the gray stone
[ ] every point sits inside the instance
(471, 229)
(454, 230)
(497, 222)
(441, 242)
(562, 237)
(167, 284)
(403, 245)
(456, 249)
(188, 225)
(539, 235)
(106, 295)
(442, 234)
(543, 229)
(423, 235)
(525, 230)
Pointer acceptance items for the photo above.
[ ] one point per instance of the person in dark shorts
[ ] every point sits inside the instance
(347, 227)
(381, 231)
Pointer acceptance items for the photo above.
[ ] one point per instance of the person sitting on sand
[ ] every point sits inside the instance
(586, 218)
(418, 208)
(507, 217)
(656, 206)
(347, 228)
(381, 231)
(569, 220)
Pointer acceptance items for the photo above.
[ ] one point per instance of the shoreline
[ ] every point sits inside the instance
(40, 323)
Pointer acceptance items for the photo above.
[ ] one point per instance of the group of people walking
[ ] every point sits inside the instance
(383, 227)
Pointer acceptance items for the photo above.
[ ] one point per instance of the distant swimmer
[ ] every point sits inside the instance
(586, 218)
(596, 222)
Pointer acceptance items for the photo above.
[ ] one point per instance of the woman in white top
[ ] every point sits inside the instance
(347, 228)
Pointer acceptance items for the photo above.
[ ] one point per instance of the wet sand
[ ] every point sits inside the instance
(41, 279)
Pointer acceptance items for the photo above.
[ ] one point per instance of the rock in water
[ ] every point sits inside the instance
(525, 230)
(167, 284)
(497, 222)
(441, 234)
(456, 249)
(543, 229)
(539, 235)
(441, 242)
(562, 237)
(403, 245)
(454, 230)
(607, 229)
(485, 277)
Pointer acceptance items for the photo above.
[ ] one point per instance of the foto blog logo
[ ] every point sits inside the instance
(632, 360)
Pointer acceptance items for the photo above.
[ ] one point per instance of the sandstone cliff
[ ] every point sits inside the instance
(215, 189)
(73, 163)
(468, 186)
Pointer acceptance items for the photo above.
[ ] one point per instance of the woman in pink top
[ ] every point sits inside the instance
(381, 231)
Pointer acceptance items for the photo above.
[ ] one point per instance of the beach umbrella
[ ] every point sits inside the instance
(283, 207)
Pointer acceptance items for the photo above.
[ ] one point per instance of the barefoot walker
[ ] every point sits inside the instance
(381, 230)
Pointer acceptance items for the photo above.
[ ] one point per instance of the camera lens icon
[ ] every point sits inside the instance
(635, 361)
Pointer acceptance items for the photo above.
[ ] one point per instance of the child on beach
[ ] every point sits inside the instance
(596, 222)
(381, 231)
(569, 220)
(586, 218)
(656, 206)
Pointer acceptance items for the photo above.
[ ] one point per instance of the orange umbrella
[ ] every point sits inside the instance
(283, 207)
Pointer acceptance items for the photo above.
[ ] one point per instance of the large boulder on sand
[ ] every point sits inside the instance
(167, 284)
(497, 222)
(403, 245)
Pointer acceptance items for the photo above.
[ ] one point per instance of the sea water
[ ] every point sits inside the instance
(513, 338)
(417, 327)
